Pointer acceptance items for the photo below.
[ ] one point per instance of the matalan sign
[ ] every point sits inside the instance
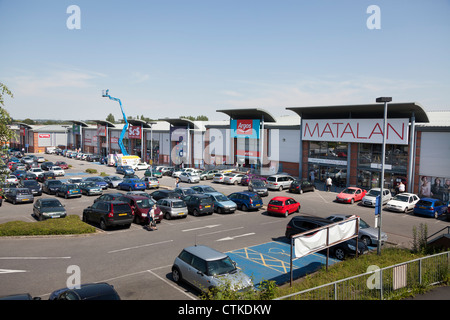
(356, 130)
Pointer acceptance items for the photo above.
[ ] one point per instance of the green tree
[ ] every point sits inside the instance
(110, 118)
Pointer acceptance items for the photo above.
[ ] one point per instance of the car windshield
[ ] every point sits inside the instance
(401, 198)
(221, 266)
(90, 184)
(208, 189)
(363, 224)
(72, 186)
(258, 183)
(425, 203)
(54, 182)
(23, 191)
(145, 203)
(349, 191)
(115, 178)
(374, 193)
(30, 183)
(178, 204)
(276, 202)
(271, 179)
(221, 197)
(51, 204)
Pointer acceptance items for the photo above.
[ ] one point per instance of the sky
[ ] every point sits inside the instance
(172, 58)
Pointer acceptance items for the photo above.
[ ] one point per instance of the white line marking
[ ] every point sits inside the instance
(172, 285)
(211, 226)
(32, 258)
(220, 231)
(141, 246)
(232, 238)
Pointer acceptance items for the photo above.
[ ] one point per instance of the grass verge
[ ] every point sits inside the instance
(62, 226)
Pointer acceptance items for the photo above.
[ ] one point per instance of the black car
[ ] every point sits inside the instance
(48, 208)
(51, 186)
(19, 195)
(301, 186)
(259, 187)
(161, 194)
(47, 165)
(47, 175)
(109, 213)
(90, 291)
(33, 185)
(300, 224)
(198, 204)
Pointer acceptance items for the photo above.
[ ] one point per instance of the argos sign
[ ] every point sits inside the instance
(244, 128)
(356, 130)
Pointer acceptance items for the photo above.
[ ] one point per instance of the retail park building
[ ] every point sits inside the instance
(344, 142)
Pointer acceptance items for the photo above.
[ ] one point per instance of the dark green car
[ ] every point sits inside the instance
(152, 173)
(90, 188)
(48, 208)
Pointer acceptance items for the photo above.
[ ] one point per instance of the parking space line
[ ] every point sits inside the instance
(172, 285)
(141, 246)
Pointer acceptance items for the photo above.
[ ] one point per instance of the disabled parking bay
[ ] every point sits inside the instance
(271, 261)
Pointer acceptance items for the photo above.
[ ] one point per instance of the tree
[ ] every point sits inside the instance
(6, 134)
(110, 118)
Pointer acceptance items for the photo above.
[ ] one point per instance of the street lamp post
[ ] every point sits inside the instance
(385, 100)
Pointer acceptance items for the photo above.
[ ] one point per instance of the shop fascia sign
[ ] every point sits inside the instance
(356, 130)
(244, 128)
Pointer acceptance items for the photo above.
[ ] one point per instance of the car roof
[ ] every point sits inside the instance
(280, 198)
(312, 218)
(92, 290)
(135, 196)
(205, 252)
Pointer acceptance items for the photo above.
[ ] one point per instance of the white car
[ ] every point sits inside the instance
(370, 198)
(177, 173)
(402, 202)
(12, 179)
(57, 171)
(189, 177)
(141, 166)
(234, 178)
(40, 159)
(37, 171)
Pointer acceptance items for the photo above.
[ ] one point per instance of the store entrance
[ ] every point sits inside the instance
(338, 174)
(371, 179)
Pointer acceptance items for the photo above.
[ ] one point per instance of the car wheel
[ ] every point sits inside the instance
(339, 253)
(244, 207)
(176, 275)
(195, 213)
(300, 191)
(219, 210)
(286, 214)
(436, 215)
(280, 188)
(167, 216)
(352, 201)
(103, 225)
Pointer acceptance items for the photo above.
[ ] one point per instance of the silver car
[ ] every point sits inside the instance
(221, 203)
(172, 208)
(367, 234)
(206, 268)
(189, 177)
(279, 182)
(370, 198)
(113, 181)
(234, 178)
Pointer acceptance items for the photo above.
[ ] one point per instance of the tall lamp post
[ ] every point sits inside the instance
(385, 100)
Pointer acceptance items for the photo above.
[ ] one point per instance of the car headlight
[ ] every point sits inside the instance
(351, 247)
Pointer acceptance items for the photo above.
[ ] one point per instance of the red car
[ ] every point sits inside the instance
(141, 206)
(283, 206)
(63, 165)
(351, 195)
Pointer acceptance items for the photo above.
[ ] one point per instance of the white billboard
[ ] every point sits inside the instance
(356, 130)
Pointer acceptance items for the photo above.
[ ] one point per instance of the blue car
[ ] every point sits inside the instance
(246, 200)
(430, 207)
(221, 203)
(99, 181)
(124, 170)
(132, 184)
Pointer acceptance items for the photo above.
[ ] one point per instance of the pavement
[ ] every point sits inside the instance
(438, 293)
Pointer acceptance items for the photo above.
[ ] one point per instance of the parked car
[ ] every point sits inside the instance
(28, 176)
(109, 197)
(51, 186)
(90, 291)
(206, 268)
(199, 204)
(47, 165)
(18, 195)
(76, 181)
(283, 206)
(246, 200)
(177, 173)
(151, 182)
(233, 178)
(259, 187)
(20, 173)
(402, 202)
(58, 171)
(208, 175)
(161, 194)
(189, 177)
(218, 178)
(300, 224)
(141, 166)
(124, 170)
(109, 213)
(430, 207)
(167, 171)
(221, 203)
(46, 176)
(279, 182)
(40, 159)
(351, 195)
(62, 164)
(301, 186)
(370, 198)
(131, 184)
(33, 185)
(11, 179)
(367, 234)
(89, 188)
(184, 191)
(246, 178)
(141, 206)
(48, 208)
(152, 173)
(172, 208)
(99, 181)
(69, 191)
(36, 171)
(203, 189)
(112, 181)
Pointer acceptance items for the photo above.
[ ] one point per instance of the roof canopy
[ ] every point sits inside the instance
(254, 114)
(80, 123)
(104, 123)
(180, 122)
(363, 111)
(138, 122)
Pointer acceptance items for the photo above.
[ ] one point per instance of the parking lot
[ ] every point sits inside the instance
(138, 262)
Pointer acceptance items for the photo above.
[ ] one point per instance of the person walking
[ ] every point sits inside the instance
(328, 183)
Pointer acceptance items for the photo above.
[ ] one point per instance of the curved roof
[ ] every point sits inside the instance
(138, 122)
(23, 124)
(180, 122)
(104, 123)
(254, 114)
(363, 111)
(81, 123)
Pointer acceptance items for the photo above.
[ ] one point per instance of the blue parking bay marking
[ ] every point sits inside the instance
(271, 261)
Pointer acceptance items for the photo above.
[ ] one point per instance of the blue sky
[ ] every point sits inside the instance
(192, 57)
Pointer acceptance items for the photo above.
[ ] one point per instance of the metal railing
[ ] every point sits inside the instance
(382, 283)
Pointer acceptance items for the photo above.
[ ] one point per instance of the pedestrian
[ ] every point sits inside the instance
(328, 182)
(177, 182)
(401, 187)
(151, 218)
